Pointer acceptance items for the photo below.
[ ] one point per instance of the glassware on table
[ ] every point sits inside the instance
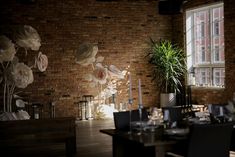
(156, 116)
(141, 120)
(130, 101)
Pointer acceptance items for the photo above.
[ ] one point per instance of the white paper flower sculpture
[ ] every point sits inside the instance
(7, 49)
(22, 75)
(28, 38)
(41, 62)
(114, 72)
(100, 74)
(86, 53)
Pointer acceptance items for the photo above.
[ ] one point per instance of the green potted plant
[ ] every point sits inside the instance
(169, 63)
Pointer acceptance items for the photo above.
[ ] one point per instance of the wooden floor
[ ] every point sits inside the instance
(92, 143)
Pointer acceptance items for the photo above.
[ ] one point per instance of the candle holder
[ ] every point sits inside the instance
(130, 101)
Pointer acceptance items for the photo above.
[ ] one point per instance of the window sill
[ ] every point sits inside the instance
(209, 87)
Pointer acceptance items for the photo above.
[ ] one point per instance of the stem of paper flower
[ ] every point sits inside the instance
(11, 95)
(7, 90)
(4, 95)
(4, 88)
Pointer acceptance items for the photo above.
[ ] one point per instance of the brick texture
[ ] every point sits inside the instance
(120, 29)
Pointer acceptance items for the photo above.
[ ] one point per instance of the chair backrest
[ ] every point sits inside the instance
(122, 119)
(175, 113)
(232, 146)
(210, 140)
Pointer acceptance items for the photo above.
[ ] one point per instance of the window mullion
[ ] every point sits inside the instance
(211, 41)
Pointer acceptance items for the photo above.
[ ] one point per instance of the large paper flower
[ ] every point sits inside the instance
(100, 74)
(22, 75)
(86, 53)
(7, 49)
(28, 38)
(41, 62)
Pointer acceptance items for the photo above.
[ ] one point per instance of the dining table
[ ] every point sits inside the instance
(143, 143)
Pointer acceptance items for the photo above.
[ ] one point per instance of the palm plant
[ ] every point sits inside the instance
(169, 65)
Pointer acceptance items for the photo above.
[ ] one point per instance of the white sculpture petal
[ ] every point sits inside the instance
(7, 49)
(20, 103)
(22, 75)
(86, 53)
(42, 62)
(115, 72)
(28, 38)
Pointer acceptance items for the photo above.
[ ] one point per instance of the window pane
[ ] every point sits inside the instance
(205, 44)
(202, 76)
(202, 29)
(216, 27)
(216, 54)
(218, 74)
(203, 54)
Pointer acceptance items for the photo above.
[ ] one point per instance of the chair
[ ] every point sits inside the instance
(206, 140)
(122, 119)
(174, 113)
(232, 146)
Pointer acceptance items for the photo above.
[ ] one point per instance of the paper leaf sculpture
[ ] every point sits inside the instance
(27, 37)
(115, 72)
(86, 53)
(20, 103)
(41, 62)
(7, 49)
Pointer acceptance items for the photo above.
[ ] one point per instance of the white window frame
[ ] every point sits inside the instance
(192, 36)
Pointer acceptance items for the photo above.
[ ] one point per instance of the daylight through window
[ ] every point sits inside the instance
(205, 46)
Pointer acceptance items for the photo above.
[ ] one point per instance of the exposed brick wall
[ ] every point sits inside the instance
(119, 28)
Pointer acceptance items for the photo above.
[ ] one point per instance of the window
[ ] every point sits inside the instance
(205, 45)
(216, 27)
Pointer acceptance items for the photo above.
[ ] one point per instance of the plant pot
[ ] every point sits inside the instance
(167, 99)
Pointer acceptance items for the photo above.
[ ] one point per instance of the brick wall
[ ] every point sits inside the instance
(119, 28)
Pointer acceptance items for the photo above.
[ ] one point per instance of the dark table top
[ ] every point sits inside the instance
(156, 138)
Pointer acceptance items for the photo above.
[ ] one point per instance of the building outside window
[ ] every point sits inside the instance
(205, 45)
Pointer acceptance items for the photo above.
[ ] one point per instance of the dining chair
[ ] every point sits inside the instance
(172, 114)
(232, 146)
(206, 140)
(122, 119)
